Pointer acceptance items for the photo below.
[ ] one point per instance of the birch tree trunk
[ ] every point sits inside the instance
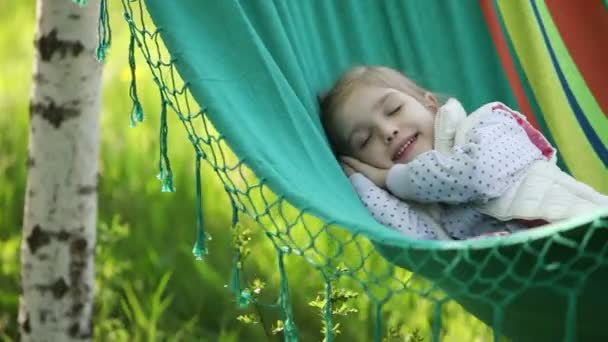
(58, 245)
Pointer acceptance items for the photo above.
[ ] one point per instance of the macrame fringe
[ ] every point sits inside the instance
(243, 298)
(379, 322)
(104, 33)
(137, 113)
(437, 321)
(497, 324)
(199, 249)
(328, 312)
(165, 173)
(290, 332)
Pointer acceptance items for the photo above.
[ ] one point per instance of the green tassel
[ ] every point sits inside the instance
(244, 298)
(199, 249)
(327, 312)
(235, 281)
(81, 2)
(378, 325)
(290, 331)
(104, 33)
(137, 113)
(167, 183)
(166, 175)
(241, 298)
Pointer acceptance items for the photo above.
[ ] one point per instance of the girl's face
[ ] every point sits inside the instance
(383, 126)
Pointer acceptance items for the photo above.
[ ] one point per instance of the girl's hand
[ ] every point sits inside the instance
(347, 169)
(376, 175)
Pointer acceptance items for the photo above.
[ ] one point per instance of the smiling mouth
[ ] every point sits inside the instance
(405, 148)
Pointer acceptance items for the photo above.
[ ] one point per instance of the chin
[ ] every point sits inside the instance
(405, 161)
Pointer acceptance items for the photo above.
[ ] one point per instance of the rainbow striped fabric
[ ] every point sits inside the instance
(555, 55)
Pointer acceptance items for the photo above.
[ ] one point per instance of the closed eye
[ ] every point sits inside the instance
(365, 141)
(395, 110)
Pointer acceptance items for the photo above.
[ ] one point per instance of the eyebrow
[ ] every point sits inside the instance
(380, 101)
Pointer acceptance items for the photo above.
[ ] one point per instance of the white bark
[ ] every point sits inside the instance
(57, 250)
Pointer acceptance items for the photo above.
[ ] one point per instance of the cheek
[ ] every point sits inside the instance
(425, 145)
(368, 156)
(380, 157)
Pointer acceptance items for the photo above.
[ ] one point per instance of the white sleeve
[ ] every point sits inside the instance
(392, 211)
(496, 154)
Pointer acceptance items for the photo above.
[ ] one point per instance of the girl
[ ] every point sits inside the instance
(448, 175)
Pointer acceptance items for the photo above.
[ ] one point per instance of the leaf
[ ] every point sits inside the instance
(278, 328)
(247, 319)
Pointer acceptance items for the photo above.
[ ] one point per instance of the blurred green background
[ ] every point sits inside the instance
(149, 286)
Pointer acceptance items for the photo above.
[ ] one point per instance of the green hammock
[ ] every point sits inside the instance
(257, 67)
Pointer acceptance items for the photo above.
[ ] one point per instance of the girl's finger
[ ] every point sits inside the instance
(347, 169)
(352, 162)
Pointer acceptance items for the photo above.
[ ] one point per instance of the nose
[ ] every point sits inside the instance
(390, 135)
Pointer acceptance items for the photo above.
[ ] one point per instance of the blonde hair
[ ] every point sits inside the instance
(381, 76)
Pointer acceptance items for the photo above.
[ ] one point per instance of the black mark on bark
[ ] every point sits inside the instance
(59, 288)
(74, 16)
(87, 189)
(53, 113)
(39, 78)
(43, 314)
(77, 270)
(26, 324)
(30, 162)
(77, 309)
(37, 239)
(49, 44)
(63, 235)
(78, 246)
(74, 330)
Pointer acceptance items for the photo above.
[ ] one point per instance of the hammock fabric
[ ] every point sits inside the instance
(257, 67)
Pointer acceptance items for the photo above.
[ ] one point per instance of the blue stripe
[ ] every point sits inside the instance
(593, 138)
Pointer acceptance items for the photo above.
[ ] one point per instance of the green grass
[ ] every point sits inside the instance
(149, 286)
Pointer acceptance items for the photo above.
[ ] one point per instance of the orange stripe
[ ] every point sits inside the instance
(583, 26)
(490, 14)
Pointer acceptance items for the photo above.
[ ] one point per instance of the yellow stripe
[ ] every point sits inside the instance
(530, 48)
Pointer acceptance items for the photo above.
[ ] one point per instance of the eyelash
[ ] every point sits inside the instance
(395, 110)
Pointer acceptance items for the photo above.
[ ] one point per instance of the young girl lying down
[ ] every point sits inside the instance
(433, 172)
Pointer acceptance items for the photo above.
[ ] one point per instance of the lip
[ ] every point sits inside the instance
(401, 153)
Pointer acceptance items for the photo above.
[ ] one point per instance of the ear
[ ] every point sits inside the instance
(431, 102)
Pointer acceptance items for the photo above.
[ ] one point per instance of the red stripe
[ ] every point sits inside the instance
(583, 26)
(491, 16)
